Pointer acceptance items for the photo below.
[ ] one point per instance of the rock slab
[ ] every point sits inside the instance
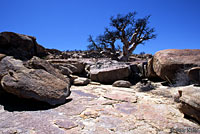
(110, 74)
(32, 83)
(190, 102)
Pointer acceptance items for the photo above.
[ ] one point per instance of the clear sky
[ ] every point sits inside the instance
(66, 24)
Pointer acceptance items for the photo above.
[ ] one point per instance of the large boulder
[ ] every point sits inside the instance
(32, 83)
(194, 74)
(20, 46)
(190, 102)
(110, 74)
(168, 64)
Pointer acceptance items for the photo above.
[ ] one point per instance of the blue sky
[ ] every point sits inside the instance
(66, 24)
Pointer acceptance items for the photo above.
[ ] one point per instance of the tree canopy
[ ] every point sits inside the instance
(126, 28)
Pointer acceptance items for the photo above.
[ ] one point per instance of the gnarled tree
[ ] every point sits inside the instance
(126, 28)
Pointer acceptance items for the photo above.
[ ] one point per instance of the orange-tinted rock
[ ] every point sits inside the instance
(167, 63)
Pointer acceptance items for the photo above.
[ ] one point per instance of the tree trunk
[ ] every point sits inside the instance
(125, 54)
(123, 58)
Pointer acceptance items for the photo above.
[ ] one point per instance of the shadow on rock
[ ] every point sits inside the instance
(13, 103)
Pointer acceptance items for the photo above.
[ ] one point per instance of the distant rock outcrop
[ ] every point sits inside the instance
(20, 46)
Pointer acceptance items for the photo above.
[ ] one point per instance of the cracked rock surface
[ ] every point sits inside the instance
(98, 109)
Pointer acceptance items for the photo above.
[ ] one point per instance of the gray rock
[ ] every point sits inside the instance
(76, 67)
(8, 63)
(144, 86)
(32, 83)
(121, 83)
(65, 69)
(37, 63)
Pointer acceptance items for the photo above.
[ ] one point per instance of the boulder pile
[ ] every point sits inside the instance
(27, 76)
(28, 70)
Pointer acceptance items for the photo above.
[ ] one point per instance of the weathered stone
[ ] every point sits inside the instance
(121, 83)
(75, 66)
(2, 56)
(94, 83)
(121, 96)
(110, 74)
(142, 68)
(89, 113)
(37, 63)
(80, 93)
(36, 84)
(73, 77)
(190, 102)
(126, 108)
(32, 83)
(150, 72)
(20, 46)
(8, 63)
(135, 72)
(194, 74)
(65, 124)
(80, 81)
(85, 114)
(65, 69)
(167, 63)
(144, 86)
